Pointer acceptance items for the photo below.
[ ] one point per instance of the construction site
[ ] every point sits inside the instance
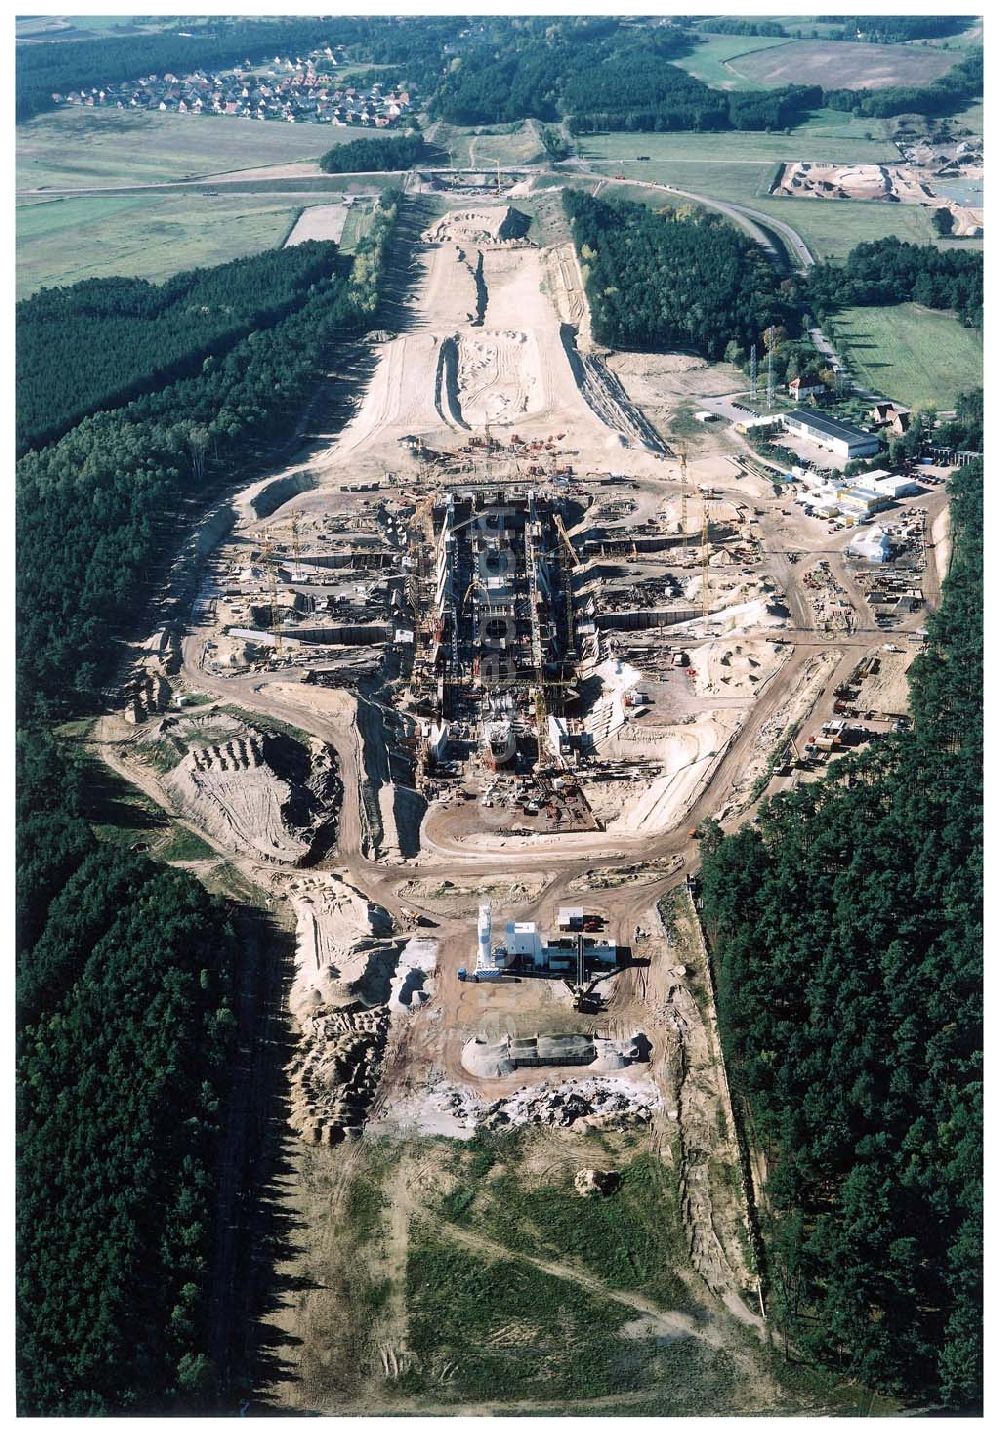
(942, 181)
(455, 691)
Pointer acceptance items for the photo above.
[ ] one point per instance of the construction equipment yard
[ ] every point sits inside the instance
(455, 691)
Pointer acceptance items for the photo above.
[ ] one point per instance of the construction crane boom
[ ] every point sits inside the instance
(270, 568)
(566, 541)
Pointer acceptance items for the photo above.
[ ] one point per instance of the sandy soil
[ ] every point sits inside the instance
(682, 757)
(494, 348)
(336, 941)
(245, 792)
(941, 538)
(900, 183)
(885, 691)
(736, 668)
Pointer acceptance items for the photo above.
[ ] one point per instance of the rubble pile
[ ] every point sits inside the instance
(591, 1105)
(334, 1072)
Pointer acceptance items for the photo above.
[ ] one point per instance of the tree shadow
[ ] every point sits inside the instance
(257, 1238)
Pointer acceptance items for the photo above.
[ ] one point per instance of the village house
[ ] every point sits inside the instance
(892, 417)
(805, 385)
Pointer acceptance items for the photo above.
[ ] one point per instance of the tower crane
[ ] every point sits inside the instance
(269, 561)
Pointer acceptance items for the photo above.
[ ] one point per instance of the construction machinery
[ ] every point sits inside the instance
(269, 560)
(565, 539)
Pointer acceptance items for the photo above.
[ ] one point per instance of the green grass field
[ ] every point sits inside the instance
(154, 236)
(708, 61)
(828, 136)
(921, 357)
(358, 223)
(107, 147)
(69, 240)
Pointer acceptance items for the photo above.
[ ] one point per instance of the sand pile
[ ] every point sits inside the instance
(496, 225)
(735, 668)
(341, 953)
(334, 1073)
(672, 764)
(262, 794)
(352, 982)
(413, 980)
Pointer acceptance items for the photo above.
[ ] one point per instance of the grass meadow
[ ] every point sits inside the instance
(921, 357)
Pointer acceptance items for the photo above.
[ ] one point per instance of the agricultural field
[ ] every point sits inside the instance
(830, 135)
(710, 61)
(356, 226)
(922, 357)
(61, 241)
(844, 65)
(74, 148)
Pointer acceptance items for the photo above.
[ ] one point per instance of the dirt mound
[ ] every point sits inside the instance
(741, 668)
(487, 226)
(334, 1072)
(605, 395)
(341, 953)
(262, 794)
(351, 981)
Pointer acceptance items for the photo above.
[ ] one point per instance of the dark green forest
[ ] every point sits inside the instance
(125, 1033)
(965, 431)
(664, 282)
(897, 29)
(729, 25)
(846, 931)
(395, 152)
(891, 271)
(126, 971)
(603, 74)
(99, 343)
(97, 511)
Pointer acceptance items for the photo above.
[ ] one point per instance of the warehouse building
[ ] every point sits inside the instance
(860, 502)
(846, 440)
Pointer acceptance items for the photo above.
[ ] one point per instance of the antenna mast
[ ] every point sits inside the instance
(753, 374)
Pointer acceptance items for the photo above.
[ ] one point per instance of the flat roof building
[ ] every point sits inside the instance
(841, 438)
